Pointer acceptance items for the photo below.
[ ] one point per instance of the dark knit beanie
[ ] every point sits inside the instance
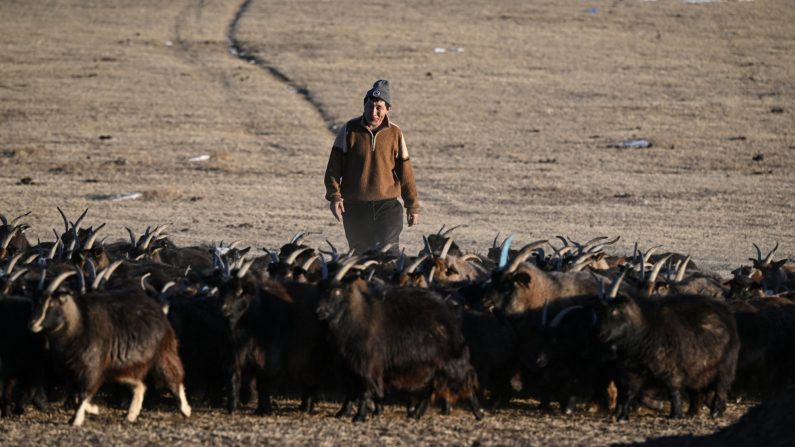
(380, 90)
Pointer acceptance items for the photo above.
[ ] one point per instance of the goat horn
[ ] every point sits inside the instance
(366, 264)
(76, 225)
(166, 286)
(345, 267)
(149, 236)
(104, 274)
(387, 247)
(244, 269)
(333, 249)
(564, 240)
(439, 233)
(494, 244)
(9, 236)
(758, 252)
(601, 246)
(680, 273)
(615, 285)
(450, 229)
(13, 262)
(14, 221)
(427, 246)
(81, 279)
(3, 219)
(416, 263)
(132, 237)
(297, 237)
(506, 247)
(471, 257)
(57, 281)
(650, 252)
(65, 220)
(294, 255)
(592, 242)
(524, 253)
(583, 261)
(770, 255)
(16, 275)
(308, 263)
(656, 269)
(446, 248)
(431, 273)
(54, 248)
(90, 242)
(562, 314)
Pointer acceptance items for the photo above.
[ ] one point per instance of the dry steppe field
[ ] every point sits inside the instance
(514, 112)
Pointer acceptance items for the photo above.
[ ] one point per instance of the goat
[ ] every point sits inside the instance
(402, 338)
(121, 336)
(685, 342)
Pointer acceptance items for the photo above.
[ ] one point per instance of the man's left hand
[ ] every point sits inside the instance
(412, 218)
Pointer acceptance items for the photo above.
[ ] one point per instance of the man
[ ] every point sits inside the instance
(367, 170)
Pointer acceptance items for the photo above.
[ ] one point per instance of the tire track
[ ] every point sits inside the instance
(240, 52)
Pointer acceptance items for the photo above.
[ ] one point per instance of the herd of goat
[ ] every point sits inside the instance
(558, 321)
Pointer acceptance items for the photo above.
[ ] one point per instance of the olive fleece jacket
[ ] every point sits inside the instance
(364, 167)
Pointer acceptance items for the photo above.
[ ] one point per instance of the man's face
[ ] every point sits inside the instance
(375, 110)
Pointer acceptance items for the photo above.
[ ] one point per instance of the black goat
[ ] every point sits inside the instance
(121, 335)
(683, 342)
(406, 339)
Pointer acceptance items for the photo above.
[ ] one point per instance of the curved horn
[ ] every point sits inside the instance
(235, 244)
(446, 248)
(132, 237)
(295, 254)
(90, 242)
(387, 247)
(57, 281)
(614, 287)
(431, 273)
(143, 282)
(524, 253)
(649, 252)
(9, 236)
(308, 263)
(3, 219)
(166, 286)
(598, 247)
(562, 314)
(345, 267)
(770, 255)
(494, 243)
(366, 264)
(758, 253)
(656, 269)
(439, 233)
(13, 262)
(105, 274)
(584, 261)
(591, 243)
(471, 257)
(16, 275)
(54, 248)
(333, 249)
(149, 237)
(680, 273)
(81, 279)
(416, 263)
(76, 225)
(506, 246)
(564, 240)
(14, 221)
(65, 220)
(427, 246)
(243, 270)
(450, 229)
(297, 237)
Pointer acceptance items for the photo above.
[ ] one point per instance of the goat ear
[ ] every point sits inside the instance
(63, 298)
(777, 265)
(523, 279)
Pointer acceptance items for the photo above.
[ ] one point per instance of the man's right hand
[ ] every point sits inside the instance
(337, 209)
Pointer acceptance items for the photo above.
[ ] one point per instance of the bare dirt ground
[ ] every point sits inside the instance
(512, 111)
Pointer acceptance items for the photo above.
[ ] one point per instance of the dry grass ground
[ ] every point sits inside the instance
(510, 129)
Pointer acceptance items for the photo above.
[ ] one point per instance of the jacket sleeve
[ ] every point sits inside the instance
(405, 173)
(336, 161)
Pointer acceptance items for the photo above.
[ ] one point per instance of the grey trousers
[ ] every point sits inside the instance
(374, 224)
